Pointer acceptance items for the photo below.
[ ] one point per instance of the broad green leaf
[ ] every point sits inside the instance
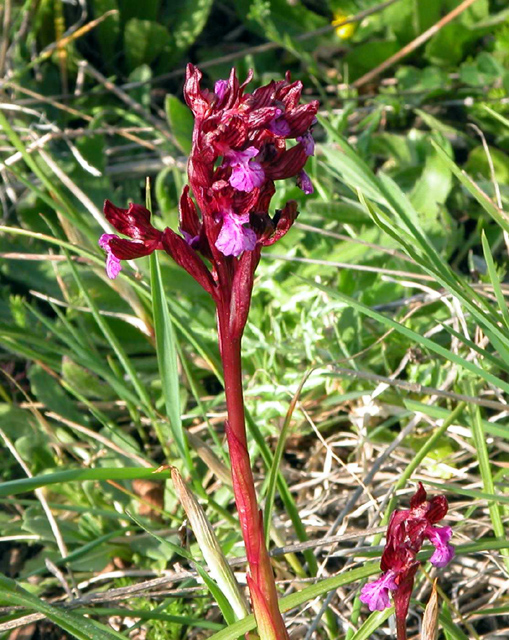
(107, 32)
(188, 20)
(180, 120)
(144, 41)
(146, 10)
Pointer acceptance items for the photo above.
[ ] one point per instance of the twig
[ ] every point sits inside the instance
(5, 40)
(415, 387)
(100, 438)
(352, 267)
(126, 99)
(411, 46)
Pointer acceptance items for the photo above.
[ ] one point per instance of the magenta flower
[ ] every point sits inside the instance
(113, 264)
(376, 594)
(239, 150)
(235, 236)
(439, 538)
(304, 183)
(406, 533)
(247, 174)
(308, 142)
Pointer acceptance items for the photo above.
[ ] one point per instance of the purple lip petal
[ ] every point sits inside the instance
(235, 238)
(376, 594)
(113, 266)
(304, 183)
(439, 538)
(220, 88)
(247, 174)
(308, 142)
(247, 177)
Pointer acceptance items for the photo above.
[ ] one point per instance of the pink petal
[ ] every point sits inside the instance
(376, 594)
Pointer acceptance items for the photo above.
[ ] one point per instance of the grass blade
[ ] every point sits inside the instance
(167, 360)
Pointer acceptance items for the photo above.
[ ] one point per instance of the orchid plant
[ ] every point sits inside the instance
(407, 530)
(239, 150)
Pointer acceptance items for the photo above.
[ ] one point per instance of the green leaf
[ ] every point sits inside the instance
(375, 620)
(167, 359)
(146, 10)
(430, 193)
(181, 122)
(486, 203)
(107, 32)
(144, 41)
(478, 164)
(188, 20)
(47, 390)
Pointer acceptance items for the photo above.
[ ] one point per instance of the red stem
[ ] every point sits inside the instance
(245, 494)
(401, 628)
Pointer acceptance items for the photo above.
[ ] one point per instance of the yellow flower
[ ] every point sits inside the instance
(343, 31)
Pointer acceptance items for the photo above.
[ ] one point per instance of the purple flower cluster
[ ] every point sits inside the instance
(239, 150)
(406, 533)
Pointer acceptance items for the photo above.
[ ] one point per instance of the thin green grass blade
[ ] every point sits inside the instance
(284, 492)
(143, 614)
(471, 493)
(475, 347)
(496, 115)
(500, 217)
(495, 281)
(79, 626)
(487, 478)
(276, 461)
(84, 357)
(167, 361)
(113, 341)
(14, 487)
(61, 205)
(369, 626)
(443, 414)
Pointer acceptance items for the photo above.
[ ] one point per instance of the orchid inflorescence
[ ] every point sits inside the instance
(238, 152)
(407, 530)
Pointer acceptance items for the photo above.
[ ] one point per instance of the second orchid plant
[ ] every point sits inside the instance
(239, 150)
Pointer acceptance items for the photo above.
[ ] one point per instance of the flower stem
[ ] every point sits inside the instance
(261, 582)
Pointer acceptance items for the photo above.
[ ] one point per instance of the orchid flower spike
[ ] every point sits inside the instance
(407, 531)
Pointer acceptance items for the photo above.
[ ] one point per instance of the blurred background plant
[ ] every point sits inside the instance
(392, 285)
